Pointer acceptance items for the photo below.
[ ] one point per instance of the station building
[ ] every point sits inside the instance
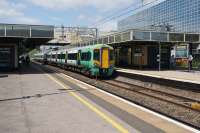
(182, 16)
(14, 37)
(161, 34)
(174, 15)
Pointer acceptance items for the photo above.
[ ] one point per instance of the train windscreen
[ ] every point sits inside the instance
(97, 54)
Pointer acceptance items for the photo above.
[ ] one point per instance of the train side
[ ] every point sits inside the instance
(94, 60)
(39, 57)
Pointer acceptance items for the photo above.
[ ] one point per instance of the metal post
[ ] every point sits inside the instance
(184, 37)
(30, 32)
(159, 68)
(189, 57)
(131, 35)
(96, 30)
(5, 30)
(150, 35)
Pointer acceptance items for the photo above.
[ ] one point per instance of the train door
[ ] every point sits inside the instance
(51, 59)
(79, 58)
(56, 57)
(105, 58)
(66, 57)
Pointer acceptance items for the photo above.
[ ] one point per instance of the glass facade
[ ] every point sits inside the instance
(173, 15)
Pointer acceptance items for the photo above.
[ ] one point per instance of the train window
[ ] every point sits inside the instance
(86, 56)
(111, 55)
(97, 54)
(53, 56)
(62, 56)
(72, 56)
(58, 56)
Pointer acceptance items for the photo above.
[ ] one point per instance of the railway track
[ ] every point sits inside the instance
(178, 100)
(172, 105)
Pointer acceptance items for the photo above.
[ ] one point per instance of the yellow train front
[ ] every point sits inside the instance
(103, 60)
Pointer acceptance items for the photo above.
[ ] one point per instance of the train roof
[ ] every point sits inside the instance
(38, 54)
(96, 46)
(75, 49)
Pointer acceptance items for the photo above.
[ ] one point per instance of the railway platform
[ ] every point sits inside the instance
(178, 78)
(37, 100)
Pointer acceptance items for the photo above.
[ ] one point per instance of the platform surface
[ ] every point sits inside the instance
(177, 75)
(33, 101)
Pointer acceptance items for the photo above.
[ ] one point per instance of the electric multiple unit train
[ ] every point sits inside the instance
(93, 60)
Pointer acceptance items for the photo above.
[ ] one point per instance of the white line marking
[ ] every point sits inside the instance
(137, 106)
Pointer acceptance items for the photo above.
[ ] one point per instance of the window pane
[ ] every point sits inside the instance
(42, 31)
(97, 54)
(157, 36)
(192, 38)
(18, 30)
(141, 36)
(2, 30)
(126, 36)
(176, 37)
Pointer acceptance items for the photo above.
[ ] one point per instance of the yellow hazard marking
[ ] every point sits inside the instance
(104, 60)
(196, 106)
(92, 107)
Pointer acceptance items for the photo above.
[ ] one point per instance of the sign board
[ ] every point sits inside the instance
(182, 51)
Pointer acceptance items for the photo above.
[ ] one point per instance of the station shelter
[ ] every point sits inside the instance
(150, 49)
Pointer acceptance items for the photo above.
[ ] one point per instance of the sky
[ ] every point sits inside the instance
(63, 12)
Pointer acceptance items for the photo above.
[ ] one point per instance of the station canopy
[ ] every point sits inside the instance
(36, 34)
(145, 36)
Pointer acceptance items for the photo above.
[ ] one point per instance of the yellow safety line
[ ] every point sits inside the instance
(119, 127)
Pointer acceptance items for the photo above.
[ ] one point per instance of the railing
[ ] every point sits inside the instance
(26, 31)
(140, 35)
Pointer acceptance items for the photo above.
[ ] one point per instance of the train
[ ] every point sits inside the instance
(93, 60)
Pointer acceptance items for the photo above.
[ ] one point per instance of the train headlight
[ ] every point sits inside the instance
(95, 64)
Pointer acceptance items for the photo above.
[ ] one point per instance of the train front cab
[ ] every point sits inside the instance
(103, 62)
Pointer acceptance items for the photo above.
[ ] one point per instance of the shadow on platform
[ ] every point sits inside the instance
(32, 68)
